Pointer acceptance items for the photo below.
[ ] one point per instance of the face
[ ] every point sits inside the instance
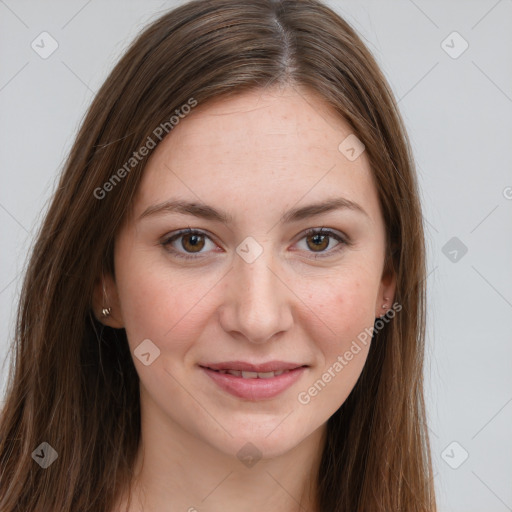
(222, 265)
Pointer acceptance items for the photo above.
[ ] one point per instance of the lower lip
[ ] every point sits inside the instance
(255, 389)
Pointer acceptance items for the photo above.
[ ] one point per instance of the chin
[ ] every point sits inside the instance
(264, 440)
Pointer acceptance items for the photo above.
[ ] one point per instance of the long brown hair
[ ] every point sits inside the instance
(72, 381)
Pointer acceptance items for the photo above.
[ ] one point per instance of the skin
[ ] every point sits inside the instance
(255, 156)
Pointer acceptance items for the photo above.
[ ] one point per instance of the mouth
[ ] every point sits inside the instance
(254, 381)
(247, 370)
(252, 375)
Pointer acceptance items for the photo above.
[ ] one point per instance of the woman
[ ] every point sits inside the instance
(179, 344)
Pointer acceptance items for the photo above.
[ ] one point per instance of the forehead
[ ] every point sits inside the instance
(258, 149)
(286, 122)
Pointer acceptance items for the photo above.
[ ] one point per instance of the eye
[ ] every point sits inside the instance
(192, 240)
(321, 239)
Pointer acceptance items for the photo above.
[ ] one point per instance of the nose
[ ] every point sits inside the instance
(258, 301)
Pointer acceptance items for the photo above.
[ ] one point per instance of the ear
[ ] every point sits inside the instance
(386, 295)
(105, 295)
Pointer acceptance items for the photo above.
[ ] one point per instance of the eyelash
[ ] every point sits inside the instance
(312, 231)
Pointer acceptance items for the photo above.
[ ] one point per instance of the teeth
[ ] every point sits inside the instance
(266, 375)
(253, 375)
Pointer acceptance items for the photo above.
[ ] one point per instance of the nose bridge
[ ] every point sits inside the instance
(260, 307)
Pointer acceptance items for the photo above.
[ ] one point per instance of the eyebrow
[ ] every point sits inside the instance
(207, 212)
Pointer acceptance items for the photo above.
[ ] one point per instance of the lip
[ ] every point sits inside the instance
(269, 366)
(255, 389)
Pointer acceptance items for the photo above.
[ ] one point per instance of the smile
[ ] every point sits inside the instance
(254, 385)
(253, 375)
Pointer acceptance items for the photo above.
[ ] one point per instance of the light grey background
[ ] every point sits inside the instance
(458, 112)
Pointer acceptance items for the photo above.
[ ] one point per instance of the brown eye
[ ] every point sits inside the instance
(318, 241)
(191, 245)
(192, 242)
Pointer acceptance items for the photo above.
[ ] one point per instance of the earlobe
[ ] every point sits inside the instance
(386, 294)
(106, 305)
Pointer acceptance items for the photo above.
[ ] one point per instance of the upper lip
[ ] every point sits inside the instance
(269, 366)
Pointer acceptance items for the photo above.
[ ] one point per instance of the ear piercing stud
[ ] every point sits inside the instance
(384, 306)
(106, 312)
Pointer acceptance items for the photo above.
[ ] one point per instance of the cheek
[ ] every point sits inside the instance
(342, 306)
(349, 316)
(339, 317)
(159, 305)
